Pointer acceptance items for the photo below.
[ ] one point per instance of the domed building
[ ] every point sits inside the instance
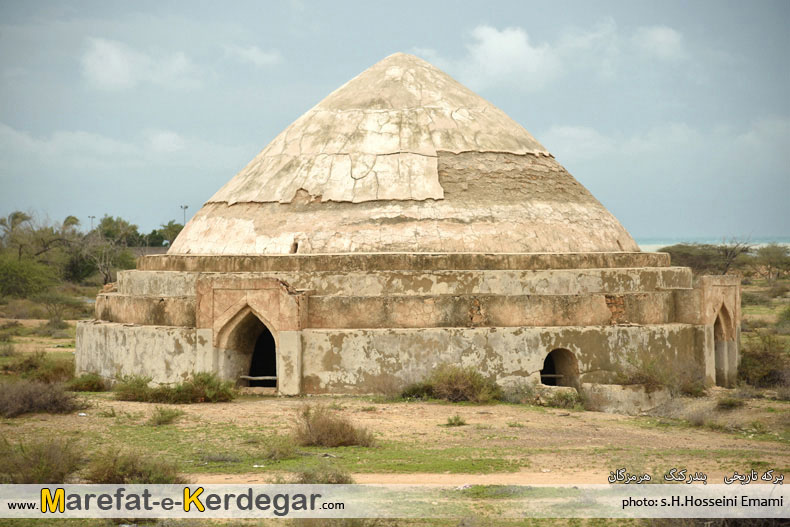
(401, 223)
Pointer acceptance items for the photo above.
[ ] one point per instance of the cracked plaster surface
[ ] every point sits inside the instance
(377, 138)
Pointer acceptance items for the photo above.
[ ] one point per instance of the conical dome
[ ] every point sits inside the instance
(402, 158)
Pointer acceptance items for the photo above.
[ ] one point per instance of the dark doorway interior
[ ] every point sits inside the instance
(547, 374)
(264, 360)
(560, 369)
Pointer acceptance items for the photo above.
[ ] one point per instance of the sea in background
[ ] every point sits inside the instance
(654, 244)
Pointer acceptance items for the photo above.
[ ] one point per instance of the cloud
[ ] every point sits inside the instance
(510, 57)
(254, 55)
(661, 42)
(112, 65)
(20, 151)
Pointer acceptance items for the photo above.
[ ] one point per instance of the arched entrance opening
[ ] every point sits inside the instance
(252, 350)
(560, 369)
(721, 339)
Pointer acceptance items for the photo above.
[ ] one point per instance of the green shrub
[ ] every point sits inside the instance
(319, 426)
(38, 461)
(323, 475)
(521, 392)
(87, 382)
(730, 403)
(202, 388)
(455, 420)
(418, 391)
(131, 468)
(164, 416)
(24, 278)
(26, 397)
(40, 366)
(455, 383)
(565, 399)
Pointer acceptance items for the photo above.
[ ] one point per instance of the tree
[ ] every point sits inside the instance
(170, 230)
(730, 252)
(16, 227)
(772, 261)
(119, 231)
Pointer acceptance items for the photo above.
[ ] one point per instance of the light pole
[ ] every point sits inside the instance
(184, 208)
(92, 218)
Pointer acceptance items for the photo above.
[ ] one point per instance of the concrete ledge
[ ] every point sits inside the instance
(146, 310)
(408, 282)
(488, 310)
(399, 261)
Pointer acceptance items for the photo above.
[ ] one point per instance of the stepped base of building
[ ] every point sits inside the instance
(365, 323)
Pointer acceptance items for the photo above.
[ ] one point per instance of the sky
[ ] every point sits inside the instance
(676, 115)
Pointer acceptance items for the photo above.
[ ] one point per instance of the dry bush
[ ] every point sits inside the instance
(319, 426)
(764, 362)
(730, 403)
(521, 392)
(87, 382)
(39, 461)
(25, 397)
(7, 350)
(323, 475)
(202, 388)
(455, 383)
(131, 468)
(654, 374)
(164, 416)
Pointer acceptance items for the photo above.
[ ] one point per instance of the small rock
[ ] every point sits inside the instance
(82, 414)
(257, 466)
(544, 470)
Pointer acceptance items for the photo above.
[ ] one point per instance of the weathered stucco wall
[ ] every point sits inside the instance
(367, 360)
(166, 354)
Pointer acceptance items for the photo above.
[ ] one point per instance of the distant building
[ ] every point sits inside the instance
(404, 222)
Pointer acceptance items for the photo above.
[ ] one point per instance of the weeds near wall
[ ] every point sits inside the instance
(202, 388)
(317, 425)
(87, 382)
(455, 383)
(38, 461)
(654, 375)
(27, 397)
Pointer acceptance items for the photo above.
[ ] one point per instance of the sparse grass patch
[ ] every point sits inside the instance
(7, 350)
(87, 382)
(323, 475)
(317, 425)
(219, 457)
(279, 447)
(653, 373)
(455, 383)
(164, 416)
(202, 388)
(570, 400)
(730, 403)
(25, 397)
(38, 461)
(130, 468)
(455, 420)
(515, 424)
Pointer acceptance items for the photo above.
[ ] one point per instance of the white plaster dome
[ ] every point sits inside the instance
(402, 158)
